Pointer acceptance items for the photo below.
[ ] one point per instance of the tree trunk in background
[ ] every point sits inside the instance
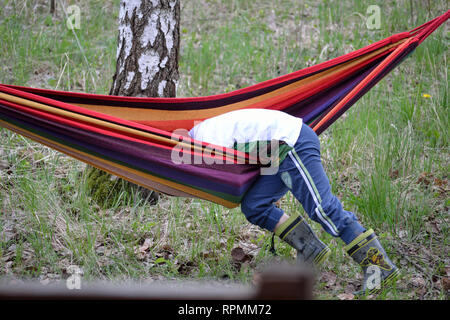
(52, 6)
(147, 64)
(147, 53)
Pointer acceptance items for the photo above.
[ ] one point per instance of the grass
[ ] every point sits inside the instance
(387, 158)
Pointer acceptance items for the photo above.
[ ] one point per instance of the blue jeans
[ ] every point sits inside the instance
(302, 173)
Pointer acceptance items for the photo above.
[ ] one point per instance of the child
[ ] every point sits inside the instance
(299, 171)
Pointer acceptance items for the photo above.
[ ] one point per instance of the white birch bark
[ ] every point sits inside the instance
(147, 62)
(148, 47)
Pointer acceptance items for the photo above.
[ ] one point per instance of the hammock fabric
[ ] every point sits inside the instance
(133, 137)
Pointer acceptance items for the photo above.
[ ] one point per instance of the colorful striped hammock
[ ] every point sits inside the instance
(133, 137)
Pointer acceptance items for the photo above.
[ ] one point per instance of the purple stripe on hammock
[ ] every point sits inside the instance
(312, 107)
(369, 86)
(227, 178)
(176, 106)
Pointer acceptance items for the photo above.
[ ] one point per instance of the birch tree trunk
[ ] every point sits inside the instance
(147, 66)
(147, 52)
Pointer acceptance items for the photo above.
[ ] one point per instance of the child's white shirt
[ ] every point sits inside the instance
(248, 125)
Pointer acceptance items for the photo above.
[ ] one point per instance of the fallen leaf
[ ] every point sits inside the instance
(100, 250)
(167, 247)
(433, 226)
(8, 266)
(165, 254)
(402, 234)
(440, 183)
(425, 178)
(7, 235)
(238, 254)
(186, 268)
(446, 283)
(329, 278)
(393, 174)
(350, 287)
(417, 282)
(3, 164)
(141, 251)
(346, 296)
(144, 247)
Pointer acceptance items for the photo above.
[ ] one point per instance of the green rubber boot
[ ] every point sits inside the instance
(299, 235)
(379, 271)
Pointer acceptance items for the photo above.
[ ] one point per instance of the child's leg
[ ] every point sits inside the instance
(258, 203)
(259, 207)
(309, 183)
(302, 171)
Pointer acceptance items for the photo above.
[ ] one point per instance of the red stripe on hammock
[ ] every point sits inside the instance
(303, 72)
(364, 82)
(114, 133)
